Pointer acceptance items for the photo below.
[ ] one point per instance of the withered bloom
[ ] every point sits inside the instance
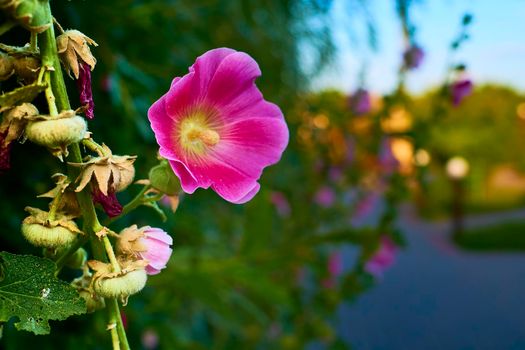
(76, 57)
(108, 174)
(109, 201)
(84, 88)
(12, 126)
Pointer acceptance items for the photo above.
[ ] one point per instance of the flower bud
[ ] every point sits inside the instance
(83, 285)
(93, 301)
(56, 133)
(121, 286)
(147, 243)
(164, 180)
(77, 259)
(6, 66)
(49, 237)
(41, 231)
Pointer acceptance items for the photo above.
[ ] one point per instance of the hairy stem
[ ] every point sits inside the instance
(49, 56)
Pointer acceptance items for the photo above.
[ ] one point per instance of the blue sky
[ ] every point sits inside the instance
(495, 52)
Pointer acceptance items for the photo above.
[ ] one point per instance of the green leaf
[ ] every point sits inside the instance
(30, 291)
(22, 94)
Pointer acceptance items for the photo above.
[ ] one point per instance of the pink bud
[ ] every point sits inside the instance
(158, 251)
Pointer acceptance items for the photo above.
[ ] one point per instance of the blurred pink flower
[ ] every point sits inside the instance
(459, 90)
(325, 197)
(383, 258)
(335, 269)
(281, 204)
(158, 251)
(413, 57)
(359, 102)
(365, 208)
(335, 174)
(387, 162)
(150, 339)
(216, 129)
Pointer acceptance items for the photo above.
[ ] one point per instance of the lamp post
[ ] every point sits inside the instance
(457, 169)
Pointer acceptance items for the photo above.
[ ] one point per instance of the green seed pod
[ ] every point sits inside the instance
(94, 302)
(163, 179)
(56, 133)
(121, 286)
(78, 259)
(48, 237)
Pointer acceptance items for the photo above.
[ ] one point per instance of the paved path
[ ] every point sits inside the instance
(438, 297)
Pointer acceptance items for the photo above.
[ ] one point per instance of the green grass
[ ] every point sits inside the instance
(509, 236)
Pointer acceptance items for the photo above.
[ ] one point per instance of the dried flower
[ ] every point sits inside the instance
(111, 173)
(84, 87)
(215, 128)
(27, 68)
(109, 201)
(147, 243)
(359, 102)
(11, 128)
(73, 49)
(7, 67)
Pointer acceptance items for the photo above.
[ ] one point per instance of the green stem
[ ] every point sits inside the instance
(49, 56)
(111, 254)
(113, 305)
(50, 97)
(70, 251)
(54, 206)
(93, 146)
(114, 332)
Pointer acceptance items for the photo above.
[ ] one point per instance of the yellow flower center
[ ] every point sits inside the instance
(196, 134)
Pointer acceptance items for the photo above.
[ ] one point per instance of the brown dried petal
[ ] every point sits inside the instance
(73, 46)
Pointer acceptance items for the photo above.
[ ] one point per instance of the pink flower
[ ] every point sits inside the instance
(359, 102)
(387, 162)
(150, 339)
(281, 204)
(383, 258)
(157, 249)
(325, 197)
(459, 90)
(84, 87)
(215, 128)
(413, 57)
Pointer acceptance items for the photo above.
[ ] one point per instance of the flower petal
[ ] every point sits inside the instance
(187, 91)
(253, 144)
(233, 85)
